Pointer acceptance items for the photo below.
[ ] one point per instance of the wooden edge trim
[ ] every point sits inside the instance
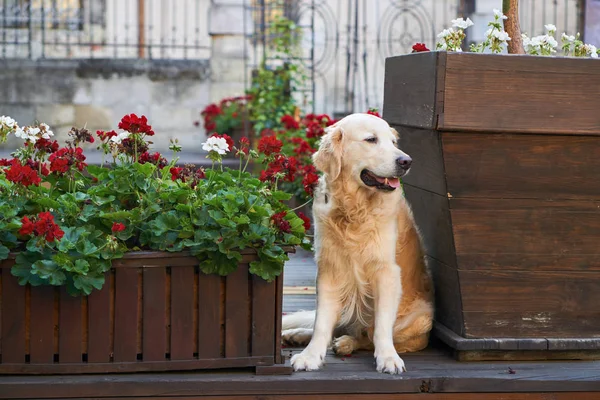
(247, 255)
(460, 343)
(141, 366)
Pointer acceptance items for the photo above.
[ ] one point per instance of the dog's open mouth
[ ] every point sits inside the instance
(379, 182)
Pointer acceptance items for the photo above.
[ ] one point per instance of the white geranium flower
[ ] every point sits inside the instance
(8, 122)
(501, 35)
(591, 50)
(568, 38)
(445, 33)
(119, 138)
(551, 41)
(216, 144)
(461, 23)
(550, 27)
(499, 14)
(46, 132)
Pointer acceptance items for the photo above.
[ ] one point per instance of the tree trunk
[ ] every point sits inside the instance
(510, 8)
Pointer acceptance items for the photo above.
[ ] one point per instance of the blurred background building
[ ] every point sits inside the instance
(88, 62)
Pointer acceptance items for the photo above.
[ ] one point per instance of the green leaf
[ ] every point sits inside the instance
(279, 195)
(4, 252)
(86, 247)
(86, 283)
(165, 222)
(48, 269)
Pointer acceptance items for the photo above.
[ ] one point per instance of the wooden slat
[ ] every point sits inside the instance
(448, 300)
(13, 319)
(99, 323)
(538, 262)
(555, 87)
(521, 166)
(530, 291)
(263, 316)
(209, 312)
(154, 336)
(42, 325)
(432, 216)
(182, 308)
(126, 296)
(131, 366)
(425, 148)
(532, 324)
(279, 359)
(70, 329)
(236, 313)
(411, 77)
(522, 231)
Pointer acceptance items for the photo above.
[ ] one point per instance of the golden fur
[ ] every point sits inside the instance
(362, 236)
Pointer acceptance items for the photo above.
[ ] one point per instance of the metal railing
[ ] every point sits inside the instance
(164, 29)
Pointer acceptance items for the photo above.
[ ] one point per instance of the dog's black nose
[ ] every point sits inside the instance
(404, 162)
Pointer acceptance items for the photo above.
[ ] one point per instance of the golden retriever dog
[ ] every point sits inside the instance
(374, 291)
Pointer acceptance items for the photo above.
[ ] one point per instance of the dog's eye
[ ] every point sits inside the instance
(371, 139)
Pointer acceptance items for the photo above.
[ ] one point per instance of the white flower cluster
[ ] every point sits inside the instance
(27, 133)
(572, 45)
(495, 37)
(216, 144)
(451, 39)
(542, 45)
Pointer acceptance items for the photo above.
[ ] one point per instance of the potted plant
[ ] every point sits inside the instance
(505, 147)
(228, 116)
(138, 265)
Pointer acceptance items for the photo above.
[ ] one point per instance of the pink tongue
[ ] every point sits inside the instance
(393, 182)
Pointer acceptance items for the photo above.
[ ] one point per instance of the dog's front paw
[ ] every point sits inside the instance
(390, 363)
(307, 361)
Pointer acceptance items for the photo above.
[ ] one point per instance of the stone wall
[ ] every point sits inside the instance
(97, 93)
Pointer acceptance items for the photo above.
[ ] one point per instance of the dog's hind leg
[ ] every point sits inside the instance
(300, 319)
(297, 337)
(347, 344)
(414, 335)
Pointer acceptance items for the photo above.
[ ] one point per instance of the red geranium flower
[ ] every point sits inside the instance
(63, 159)
(419, 47)
(305, 219)
(22, 174)
(290, 122)
(374, 111)
(245, 145)
(227, 138)
(175, 173)
(45, 226)
(35, 165)
(280, 222)
(314, 130)
(156, 159)
(46, 146)
(304, 148)
(118, 227)
(27, 226)
(269, 145)
(280, 165)
(134, 124)
(106, 135)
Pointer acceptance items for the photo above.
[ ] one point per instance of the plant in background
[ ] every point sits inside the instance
(273, 87)
(573, 46)
(227, 116)
(65, 221)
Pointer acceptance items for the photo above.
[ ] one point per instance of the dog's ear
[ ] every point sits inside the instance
(328, 158)
(395, 133)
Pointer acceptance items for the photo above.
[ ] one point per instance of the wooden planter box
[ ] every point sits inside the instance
(505, 189)
(156, 312)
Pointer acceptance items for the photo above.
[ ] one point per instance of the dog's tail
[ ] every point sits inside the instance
(300, 319)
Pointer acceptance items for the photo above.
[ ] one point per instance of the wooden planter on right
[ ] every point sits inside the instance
(505, 188)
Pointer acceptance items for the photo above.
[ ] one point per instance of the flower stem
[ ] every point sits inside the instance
(299, 207)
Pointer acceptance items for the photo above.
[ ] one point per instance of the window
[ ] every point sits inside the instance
(50, 14)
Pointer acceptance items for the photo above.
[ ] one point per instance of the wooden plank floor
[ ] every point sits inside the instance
(430, 371)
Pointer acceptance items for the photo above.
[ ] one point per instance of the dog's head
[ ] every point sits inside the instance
(363, 148)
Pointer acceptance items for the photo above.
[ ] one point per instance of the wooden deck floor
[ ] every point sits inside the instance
(431, 371)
